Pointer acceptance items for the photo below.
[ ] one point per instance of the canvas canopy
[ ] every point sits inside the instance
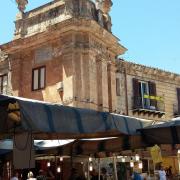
(78, 147)
(162, 133)
(54, 121)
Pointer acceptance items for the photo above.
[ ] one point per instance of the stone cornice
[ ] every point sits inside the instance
(56, 31)
(147, 72)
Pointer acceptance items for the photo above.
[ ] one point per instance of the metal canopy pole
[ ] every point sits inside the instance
(88, 175)
(115, 168)
(99, 169)
(149, 166)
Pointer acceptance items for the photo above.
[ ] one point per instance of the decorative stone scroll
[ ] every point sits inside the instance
(22, 4)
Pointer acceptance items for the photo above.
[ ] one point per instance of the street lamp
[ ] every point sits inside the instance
(90, 166)
(48, 164)
(58, 169)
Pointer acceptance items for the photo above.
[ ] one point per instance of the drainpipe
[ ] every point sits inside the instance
(126, 93)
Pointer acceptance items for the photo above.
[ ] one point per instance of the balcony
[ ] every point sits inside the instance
(149, 105)
(176, 110)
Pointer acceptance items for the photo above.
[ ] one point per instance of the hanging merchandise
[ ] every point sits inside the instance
(156, 154)
(23, 150)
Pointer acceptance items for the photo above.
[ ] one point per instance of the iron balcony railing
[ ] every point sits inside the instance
(153, 103)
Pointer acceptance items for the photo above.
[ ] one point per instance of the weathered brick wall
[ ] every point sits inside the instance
(76, 60)
(22, 65)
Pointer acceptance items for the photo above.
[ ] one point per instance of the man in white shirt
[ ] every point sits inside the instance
(162, 174)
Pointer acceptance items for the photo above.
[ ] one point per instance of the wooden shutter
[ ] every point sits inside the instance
(152, 92)
(178, 99)
(42, 77)
(136, 93)
(117, 87)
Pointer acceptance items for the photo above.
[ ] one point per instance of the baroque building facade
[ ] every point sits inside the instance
(64, 52)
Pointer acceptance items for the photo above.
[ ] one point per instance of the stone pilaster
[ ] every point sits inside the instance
(105, 86)
(112, 86)
(85, 80)
(93, 84)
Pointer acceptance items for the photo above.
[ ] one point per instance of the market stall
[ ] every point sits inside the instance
(54, 121)
(24, 120)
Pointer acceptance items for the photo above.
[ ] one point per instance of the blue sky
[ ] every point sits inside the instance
(149, 29)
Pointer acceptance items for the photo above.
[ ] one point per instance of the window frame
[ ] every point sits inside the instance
(2, 80)
(144, 100)
(39, 78)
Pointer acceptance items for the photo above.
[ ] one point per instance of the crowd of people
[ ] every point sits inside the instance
(94, 175)
(74, 175)
(41, 176)
(163, 174)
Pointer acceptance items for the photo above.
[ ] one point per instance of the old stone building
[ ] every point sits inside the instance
(147, 92)
(64, 52)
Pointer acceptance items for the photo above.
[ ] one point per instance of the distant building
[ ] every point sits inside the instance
(147, 92)
(64, 52)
